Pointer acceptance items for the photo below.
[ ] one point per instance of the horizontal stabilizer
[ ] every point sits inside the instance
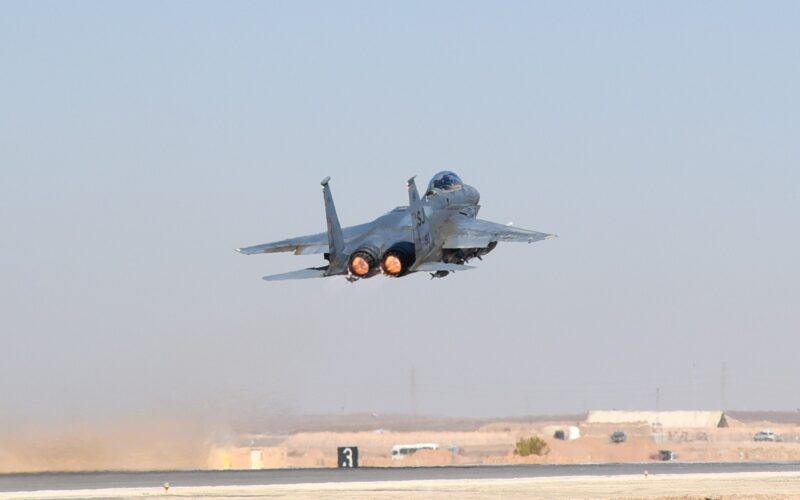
(442, 266)
(302, 274)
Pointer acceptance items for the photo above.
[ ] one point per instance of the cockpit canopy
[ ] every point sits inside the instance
(445, 181)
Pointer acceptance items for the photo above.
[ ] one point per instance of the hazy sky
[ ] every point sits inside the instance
(140, 143)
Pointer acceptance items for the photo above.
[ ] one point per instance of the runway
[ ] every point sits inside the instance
(177, 479)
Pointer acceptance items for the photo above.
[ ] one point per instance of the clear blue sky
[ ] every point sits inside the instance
(140, 142)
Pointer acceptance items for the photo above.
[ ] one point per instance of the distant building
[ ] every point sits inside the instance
(655, 419)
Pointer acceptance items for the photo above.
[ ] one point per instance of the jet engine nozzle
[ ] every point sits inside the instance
(363, 263)
(398, 259)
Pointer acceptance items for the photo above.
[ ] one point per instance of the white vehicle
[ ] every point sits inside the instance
(400, 451)
(765, 436)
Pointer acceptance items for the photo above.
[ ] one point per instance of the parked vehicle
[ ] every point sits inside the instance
(618, 437)
(765, 436)
(573, 432)
(667, 455)
(400, 451)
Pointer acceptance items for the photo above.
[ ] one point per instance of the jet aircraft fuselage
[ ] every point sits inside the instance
(439, 234)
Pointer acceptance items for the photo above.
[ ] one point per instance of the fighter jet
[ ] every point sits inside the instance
(439, 234)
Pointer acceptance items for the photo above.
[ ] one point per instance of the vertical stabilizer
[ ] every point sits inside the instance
(335, 237)
(419, 221)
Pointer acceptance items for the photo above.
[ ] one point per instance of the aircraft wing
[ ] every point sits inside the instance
(477, 233)
(304, 245)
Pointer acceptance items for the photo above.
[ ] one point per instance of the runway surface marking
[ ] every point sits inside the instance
(753, 485)
(95, 480)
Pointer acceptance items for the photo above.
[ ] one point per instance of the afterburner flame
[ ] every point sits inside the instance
(392, 264)
(359, 266)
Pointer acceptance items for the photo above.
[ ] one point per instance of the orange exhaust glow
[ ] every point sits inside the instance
(359, 266)
(392, 265)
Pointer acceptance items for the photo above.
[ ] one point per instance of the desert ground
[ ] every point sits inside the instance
(312, 442)
(493, 442)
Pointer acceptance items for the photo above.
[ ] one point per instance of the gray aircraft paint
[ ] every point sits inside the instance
(439, 233)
